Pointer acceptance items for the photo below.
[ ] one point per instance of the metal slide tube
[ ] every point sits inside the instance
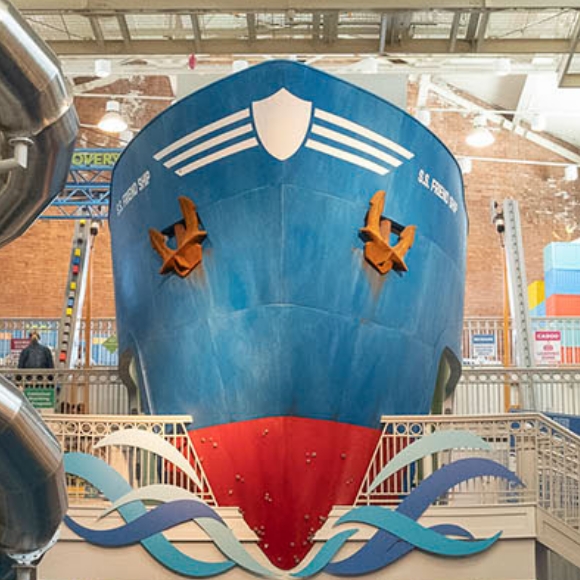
(35, 103)
(33, 498)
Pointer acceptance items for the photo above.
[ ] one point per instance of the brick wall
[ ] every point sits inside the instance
(34, 267)
(549, 206)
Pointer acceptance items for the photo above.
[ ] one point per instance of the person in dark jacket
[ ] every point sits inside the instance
(35, 355)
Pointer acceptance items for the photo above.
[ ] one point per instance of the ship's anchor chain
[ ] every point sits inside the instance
(378, 251)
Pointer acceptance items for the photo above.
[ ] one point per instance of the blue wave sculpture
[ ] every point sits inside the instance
(378, 552)
(398, 531)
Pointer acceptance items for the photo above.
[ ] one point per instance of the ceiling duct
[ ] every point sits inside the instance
(38, 125)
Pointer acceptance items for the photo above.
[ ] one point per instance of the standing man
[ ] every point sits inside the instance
(35, 355)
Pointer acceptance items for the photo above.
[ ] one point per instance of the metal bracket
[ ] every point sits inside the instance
(27, 560)
(20, 158)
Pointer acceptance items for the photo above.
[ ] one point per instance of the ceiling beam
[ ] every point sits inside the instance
(330, 27)
(573, 47)
(481, 29)
(196, 31)
(305, 46)
(97, 31)
(316, 19)
(251, 20)
(472, 26)
(454, 31)
(570, 81)
(124, 28)
(383, 33)
(101, 6)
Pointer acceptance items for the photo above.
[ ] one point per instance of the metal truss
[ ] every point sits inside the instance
(86, 194)
(276, 27)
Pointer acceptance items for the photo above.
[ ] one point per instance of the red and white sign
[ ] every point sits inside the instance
(548, 346)
(17, 345)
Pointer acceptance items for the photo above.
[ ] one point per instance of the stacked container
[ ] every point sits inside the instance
(536, 295)
(562, 278)
(562, 289)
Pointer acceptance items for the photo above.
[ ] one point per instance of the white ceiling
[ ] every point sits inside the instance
(526, 96)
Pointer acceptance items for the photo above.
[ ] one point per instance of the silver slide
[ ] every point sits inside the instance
(38, 128)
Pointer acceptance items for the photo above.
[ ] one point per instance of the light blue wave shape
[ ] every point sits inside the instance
(231, 546)
(155, 444)
(438, 441)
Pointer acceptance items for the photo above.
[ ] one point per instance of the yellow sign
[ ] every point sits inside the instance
(94, 159)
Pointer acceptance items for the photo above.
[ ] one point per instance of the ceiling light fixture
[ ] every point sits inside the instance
(102, 68)
(571, 173)
(112, 121)
(480, 135)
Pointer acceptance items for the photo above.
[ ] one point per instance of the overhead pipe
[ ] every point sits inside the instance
(33, 499)
(38, 125)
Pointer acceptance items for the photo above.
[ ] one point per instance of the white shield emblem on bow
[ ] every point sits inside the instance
(282, 121)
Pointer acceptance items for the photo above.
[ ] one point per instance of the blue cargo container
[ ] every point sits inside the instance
(562, 256)
(562, 281)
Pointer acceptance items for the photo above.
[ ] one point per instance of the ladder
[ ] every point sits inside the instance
(70, 322)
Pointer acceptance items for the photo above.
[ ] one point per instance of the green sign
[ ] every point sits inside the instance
(111, 344)
(40, 398)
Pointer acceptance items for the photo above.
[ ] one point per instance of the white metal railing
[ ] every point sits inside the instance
(81, 434)
(544, 455)
(484, 326)
(569, 328)
(97, 391)
(103, 335)
(545, 389)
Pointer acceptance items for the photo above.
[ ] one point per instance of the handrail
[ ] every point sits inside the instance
(82, 433)
(94, 390)
(482, 390)
(544, 455)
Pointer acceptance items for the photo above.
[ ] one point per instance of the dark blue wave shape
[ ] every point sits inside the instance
(157, 520)
(384, 548)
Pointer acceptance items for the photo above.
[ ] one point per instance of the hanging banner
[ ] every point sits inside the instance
(548, 347)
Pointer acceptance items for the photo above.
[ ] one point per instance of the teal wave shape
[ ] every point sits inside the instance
(325, 555)
(408, 530)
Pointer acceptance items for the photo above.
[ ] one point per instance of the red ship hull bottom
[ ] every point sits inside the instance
(285, 474)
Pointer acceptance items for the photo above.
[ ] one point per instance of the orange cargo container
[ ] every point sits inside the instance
(570, 355)
(563, 305)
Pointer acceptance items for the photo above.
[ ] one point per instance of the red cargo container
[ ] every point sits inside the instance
(563, 305)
